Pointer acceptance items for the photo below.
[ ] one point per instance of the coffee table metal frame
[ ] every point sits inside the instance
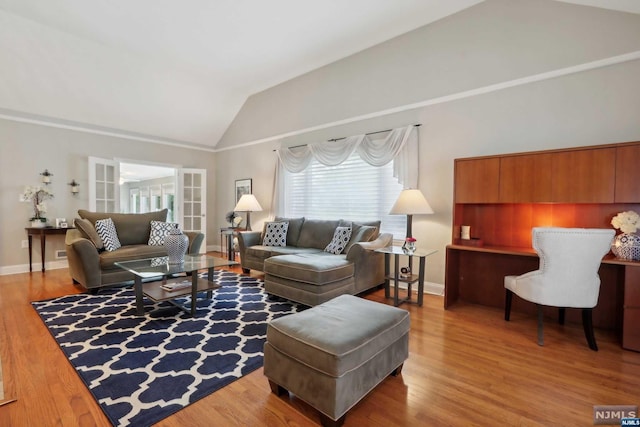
(159, 267)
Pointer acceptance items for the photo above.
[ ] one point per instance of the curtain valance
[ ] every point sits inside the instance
(400, 145)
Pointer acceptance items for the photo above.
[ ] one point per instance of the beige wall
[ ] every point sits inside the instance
(27, 149)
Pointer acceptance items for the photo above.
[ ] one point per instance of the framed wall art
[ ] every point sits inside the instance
(243, 186)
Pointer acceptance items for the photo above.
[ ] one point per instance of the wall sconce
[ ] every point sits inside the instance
(75, 187)
(46, 177)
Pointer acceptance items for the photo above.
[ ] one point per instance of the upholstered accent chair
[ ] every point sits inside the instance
(567, 277)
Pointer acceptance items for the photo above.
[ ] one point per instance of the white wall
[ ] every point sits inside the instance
(488, 44)
(28, 149)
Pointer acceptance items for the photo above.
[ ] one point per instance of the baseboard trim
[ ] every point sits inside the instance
(429, 288)
(24, 268)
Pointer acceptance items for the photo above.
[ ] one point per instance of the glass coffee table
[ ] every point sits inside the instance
(169, 288)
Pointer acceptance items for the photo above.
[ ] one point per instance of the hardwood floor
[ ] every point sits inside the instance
(467, 366)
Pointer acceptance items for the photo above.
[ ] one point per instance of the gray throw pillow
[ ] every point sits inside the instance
(88, 231)
(361, 233)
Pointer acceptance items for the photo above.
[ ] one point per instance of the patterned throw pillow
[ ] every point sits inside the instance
(159, 230)
(275, 234)
(107, 231)
(340, 240)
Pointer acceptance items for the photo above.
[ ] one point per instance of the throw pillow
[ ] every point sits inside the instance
(88, 231)
(340, 240)
(107, 231)
(275, 234)
(159, 230)
(360, 233)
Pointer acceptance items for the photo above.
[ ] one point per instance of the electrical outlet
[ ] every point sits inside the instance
(24, 244)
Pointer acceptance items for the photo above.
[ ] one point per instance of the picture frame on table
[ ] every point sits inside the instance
(61, 223)
(243, 186)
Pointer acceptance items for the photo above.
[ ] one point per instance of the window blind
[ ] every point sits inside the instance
(352, 190)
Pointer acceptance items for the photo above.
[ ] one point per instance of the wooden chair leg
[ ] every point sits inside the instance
(561, 312)
(587, 324)
(540, 325)
(507, 304)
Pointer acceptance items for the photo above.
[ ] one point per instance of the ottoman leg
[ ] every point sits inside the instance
(278, 390)
(328, 422)
(397, 371)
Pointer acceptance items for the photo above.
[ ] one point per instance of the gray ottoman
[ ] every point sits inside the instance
(335, 353)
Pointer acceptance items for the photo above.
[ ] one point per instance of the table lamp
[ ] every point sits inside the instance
(411, 202)
(248, 203)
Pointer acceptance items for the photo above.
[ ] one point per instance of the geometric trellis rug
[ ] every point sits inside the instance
(142, 369)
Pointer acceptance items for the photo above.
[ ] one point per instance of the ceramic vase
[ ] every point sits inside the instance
(36, 223)
(176, 244)
(626, 246)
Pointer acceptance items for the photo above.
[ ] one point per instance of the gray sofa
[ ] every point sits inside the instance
(304, 272)
(92, 267)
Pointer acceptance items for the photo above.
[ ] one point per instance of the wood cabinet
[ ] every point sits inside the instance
(476, 180)
(583, 176)
(627, 174)
(525, 178)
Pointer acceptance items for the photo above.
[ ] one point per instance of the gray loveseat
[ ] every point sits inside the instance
(304, 272)
(93, 267)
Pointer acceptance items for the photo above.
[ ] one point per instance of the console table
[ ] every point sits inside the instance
(228, 234)
(42, 233)
(503, 197)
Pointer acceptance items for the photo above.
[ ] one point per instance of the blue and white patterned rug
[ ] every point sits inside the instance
(143, 369)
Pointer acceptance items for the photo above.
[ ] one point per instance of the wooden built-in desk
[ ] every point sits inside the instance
(476, 275)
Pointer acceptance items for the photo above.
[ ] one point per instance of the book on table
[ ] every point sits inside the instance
(175, 286)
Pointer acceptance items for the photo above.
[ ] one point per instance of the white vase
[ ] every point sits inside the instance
(36, 223)
(626, 246)
(176, 244)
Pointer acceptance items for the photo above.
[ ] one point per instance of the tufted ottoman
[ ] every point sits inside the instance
(335, 353)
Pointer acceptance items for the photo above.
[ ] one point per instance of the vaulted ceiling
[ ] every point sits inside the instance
(179, 71)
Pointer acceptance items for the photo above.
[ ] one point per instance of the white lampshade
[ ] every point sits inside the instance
(411, 202)
(248, 203)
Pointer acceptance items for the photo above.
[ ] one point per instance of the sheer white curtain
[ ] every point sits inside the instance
(399, 146)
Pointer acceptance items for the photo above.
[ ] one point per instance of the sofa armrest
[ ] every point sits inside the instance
(195, 242)
(359, 249)
(84, 260)
(246, 239)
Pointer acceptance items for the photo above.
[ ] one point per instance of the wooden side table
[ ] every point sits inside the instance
(396, 251)
(42, 234)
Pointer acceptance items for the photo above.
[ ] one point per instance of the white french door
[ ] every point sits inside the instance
(104, 185)
(192, 201)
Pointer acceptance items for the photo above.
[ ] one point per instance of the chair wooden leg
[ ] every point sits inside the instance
(540, 324)
(561, 312)
(507, 304)
(587, 324)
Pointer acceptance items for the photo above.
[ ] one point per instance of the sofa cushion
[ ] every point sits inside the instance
(130, 253)
(316, 233)
(133, 229)
(160, 230)
(293, 232)
(316, 268)
(340, 239)
(88, 231)
(275, 234)
(108, 234)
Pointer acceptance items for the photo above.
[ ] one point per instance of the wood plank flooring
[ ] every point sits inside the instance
(467, 367)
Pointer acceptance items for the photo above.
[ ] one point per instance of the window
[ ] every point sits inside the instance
(353, 190)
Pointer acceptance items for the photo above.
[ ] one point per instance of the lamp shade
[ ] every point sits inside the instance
(411, 202)
(248, 203)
